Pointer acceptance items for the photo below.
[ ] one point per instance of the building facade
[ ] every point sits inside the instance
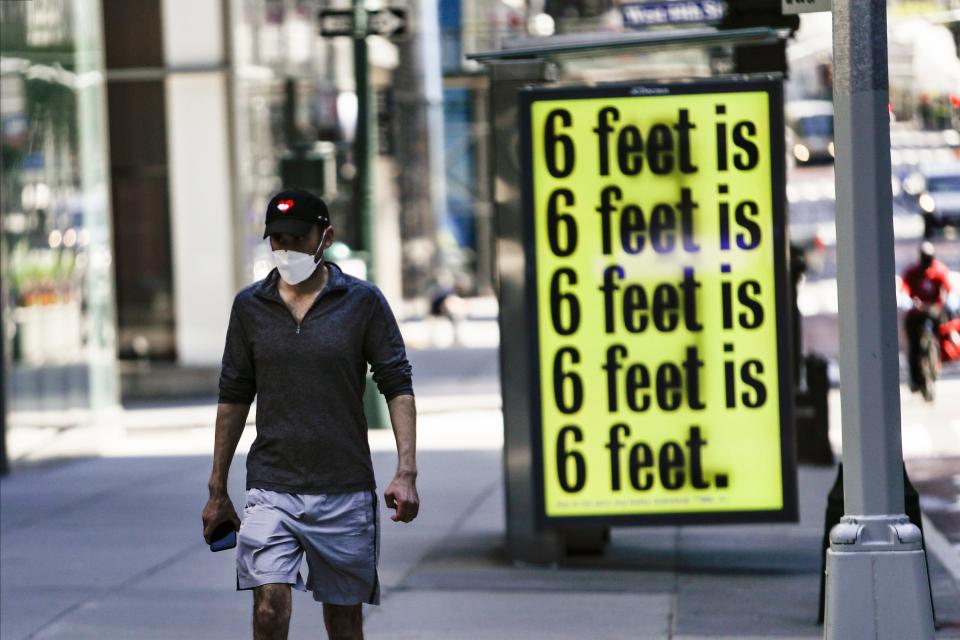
(141, 141)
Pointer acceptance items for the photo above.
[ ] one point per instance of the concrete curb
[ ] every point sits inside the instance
(194, 416)
(448, 404)
(936, 543)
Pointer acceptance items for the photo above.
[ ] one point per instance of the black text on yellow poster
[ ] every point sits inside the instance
(657, 235)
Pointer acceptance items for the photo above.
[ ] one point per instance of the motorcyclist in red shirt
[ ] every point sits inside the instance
(927, 283)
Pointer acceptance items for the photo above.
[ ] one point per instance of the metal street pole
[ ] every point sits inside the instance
(876, 572)
(4, 460)
(364, 151)
(364, 142)
(5, 370)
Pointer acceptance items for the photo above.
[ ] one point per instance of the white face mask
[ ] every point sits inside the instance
(296, 266)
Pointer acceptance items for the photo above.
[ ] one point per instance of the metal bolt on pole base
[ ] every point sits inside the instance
(870, 561)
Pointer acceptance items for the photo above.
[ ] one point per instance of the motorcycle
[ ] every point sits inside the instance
(929, 348)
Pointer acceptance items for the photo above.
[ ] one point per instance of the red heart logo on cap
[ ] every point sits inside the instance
(283, 205)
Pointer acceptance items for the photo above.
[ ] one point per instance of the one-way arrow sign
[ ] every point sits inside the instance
(389, 23)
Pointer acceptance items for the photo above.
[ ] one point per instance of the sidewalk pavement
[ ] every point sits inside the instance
(109, 547)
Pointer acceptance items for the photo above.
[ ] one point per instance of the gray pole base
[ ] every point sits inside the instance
(875, 566)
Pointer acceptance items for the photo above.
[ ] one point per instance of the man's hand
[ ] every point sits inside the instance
(219, 509)
(402, 496)
(402, 492)
(231, 419)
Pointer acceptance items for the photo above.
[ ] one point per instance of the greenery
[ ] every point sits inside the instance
(39, 270)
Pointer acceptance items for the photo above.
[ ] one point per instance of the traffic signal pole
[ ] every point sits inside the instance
(364, 142)
(876, 572)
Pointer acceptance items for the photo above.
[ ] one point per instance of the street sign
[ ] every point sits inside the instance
(805, 6)
(657, 294)
(336, 22)
(389, 23)
(639, 15)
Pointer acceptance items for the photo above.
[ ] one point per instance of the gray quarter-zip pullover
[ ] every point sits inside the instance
(309, 380)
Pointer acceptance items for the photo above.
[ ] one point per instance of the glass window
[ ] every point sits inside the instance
(57, 263)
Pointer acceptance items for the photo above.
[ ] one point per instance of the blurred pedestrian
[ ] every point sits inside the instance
(300, 340)
(447, 304)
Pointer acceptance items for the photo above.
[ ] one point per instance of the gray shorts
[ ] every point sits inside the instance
(339, 532)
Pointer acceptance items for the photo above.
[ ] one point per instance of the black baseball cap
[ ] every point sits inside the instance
(293, 211)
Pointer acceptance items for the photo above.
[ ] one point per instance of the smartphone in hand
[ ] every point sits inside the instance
(224, 537)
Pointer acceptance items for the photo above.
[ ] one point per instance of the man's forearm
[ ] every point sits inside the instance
(403, 417)
(231, 419)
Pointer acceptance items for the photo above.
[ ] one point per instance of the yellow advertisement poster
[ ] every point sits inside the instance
(658, 289)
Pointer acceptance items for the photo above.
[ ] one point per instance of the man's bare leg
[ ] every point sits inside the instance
(271, 612)
(344, 622)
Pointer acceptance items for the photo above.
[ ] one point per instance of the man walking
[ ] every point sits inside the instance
(300, 340)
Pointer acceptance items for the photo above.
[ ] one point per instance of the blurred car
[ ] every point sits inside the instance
(810, 131)
(939, 200)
